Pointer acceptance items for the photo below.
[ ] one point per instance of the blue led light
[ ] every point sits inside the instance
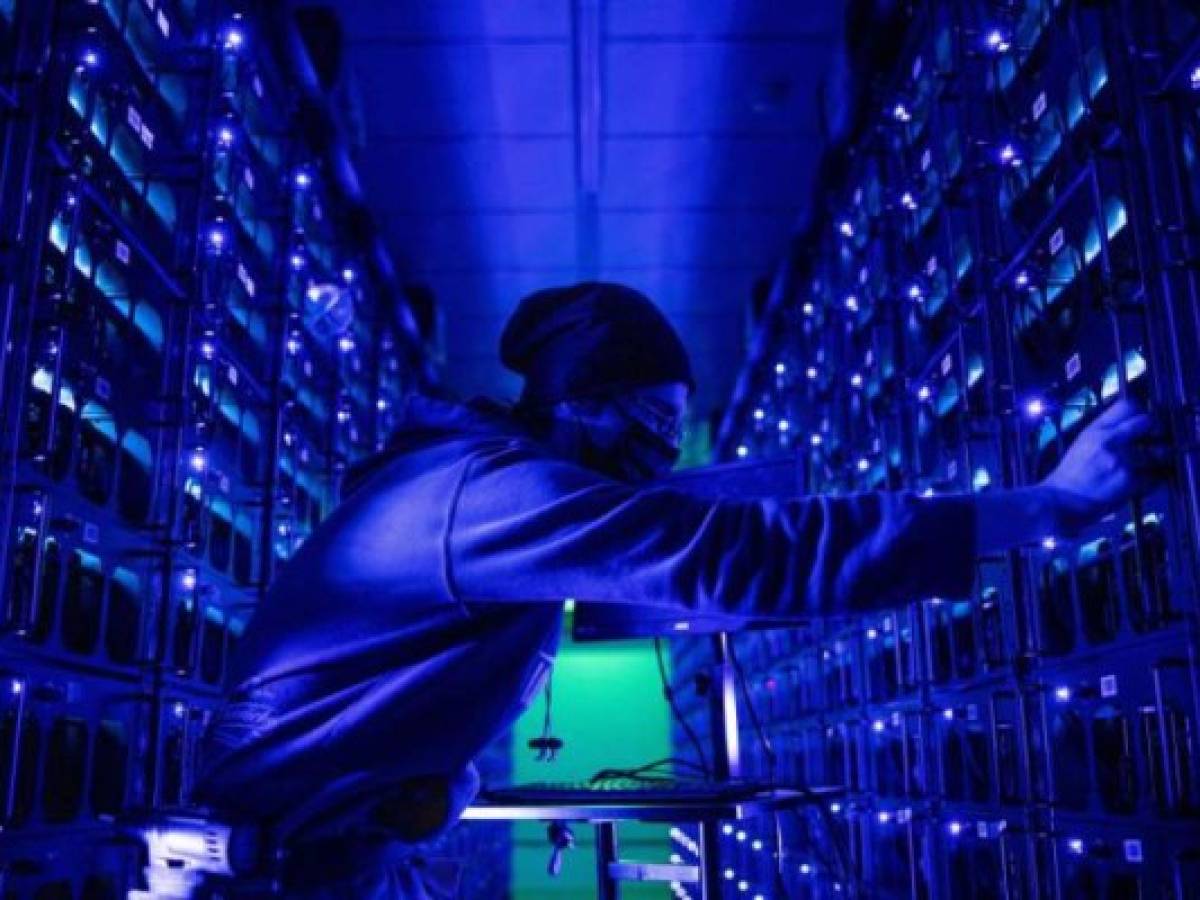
(742, 451)
(997, 42)
(233, 38)
(348, 275)
(808, 309)
(783, 425)
(924, 392)
(1035, 407)
(780, 368)
(863, 464)
(1075, 845)
(955, 828)
(852, 303)
(1194, 78)
(915, 292)
(198, 459)
(856, 380)
(1022, 280)
(815, 439)
(187, 580)
(16, 686)
(179, 709)
(208, 349)
(759, 414)
(846, 228)
(1009, 156)
(345, 343)
(297, 261)
(302, 179)
(226, 136)
(908, 201)
(1062, 693)
(218, 238)
(900, 113)
(89, 58)
(811, 373)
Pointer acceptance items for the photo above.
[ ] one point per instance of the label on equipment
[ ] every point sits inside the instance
(1057, 240)
(245, 279)
(232, 374)
(1108, 686)
(147, 137)
(1133, 850)
(1039, 106)
(163, 25)
(134, 118)
(947, 363)
(1073, 367)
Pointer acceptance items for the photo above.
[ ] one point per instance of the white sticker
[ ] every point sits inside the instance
(134, 118)
(163, 25)
(122, 251)
(1073, 367)
(147, 137)
(1057, 240)
(947, 363)
(232, 374)
(926, 159)
(1108, 686)
(246, 280)
(931, 266)
(1039, 106)
(91, 533)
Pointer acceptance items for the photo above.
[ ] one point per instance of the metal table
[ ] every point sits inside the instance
(605, 812)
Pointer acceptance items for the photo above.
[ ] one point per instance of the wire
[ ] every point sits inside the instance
(669, 694)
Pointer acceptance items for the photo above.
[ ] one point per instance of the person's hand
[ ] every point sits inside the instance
(1114, 459)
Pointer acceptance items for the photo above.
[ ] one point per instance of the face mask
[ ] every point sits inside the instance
(639, 454)
(643, 455)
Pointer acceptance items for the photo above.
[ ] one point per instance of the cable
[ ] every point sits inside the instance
(669, 694)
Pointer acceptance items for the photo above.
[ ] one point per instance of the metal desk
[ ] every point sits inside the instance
(605, 812)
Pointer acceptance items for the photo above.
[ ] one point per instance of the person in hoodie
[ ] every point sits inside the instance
(420, 619)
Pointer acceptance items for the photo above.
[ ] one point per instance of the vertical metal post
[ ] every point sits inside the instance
(607, 887)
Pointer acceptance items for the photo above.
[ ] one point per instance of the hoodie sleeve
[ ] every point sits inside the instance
(527, 528)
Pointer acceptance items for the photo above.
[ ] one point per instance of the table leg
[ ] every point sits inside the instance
(606, 853)
(710, 860)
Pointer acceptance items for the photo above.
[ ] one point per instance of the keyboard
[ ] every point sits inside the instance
(628, 790)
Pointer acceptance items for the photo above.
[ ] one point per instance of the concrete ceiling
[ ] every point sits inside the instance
(515, 144)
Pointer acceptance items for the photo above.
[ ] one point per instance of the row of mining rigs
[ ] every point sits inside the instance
(1012, 247)
(200, 336)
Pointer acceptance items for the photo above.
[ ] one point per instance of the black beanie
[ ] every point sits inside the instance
(591, 339)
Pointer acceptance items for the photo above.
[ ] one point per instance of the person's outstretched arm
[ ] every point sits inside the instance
(529, 528)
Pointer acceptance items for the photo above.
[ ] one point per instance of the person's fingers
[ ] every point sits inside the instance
(1122, 408)
(1131, 429)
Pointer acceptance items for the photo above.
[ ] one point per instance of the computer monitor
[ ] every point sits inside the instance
(744, 480)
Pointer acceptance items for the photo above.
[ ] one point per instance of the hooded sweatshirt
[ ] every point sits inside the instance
(420, 619)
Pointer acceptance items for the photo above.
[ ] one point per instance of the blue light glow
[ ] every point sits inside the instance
(997, 42)
(900, 113)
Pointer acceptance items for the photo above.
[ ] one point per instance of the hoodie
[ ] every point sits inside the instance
(421, 618)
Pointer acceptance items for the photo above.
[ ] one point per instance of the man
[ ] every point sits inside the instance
(420, 619)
